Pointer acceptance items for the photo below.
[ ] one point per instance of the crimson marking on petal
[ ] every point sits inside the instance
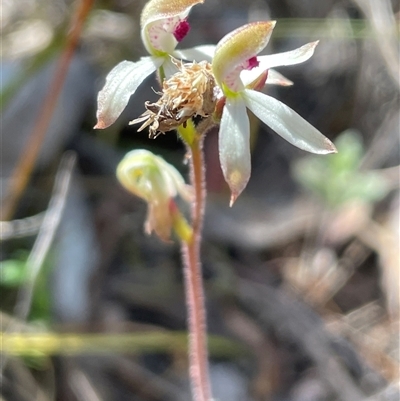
(181, 30)
(251, 63)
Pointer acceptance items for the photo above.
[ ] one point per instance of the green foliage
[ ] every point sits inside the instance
(337, 178)
(14, 271)
(41, 302)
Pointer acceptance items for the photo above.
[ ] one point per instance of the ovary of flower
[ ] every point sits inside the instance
(238, 71)
(163, 25)
(155, 181)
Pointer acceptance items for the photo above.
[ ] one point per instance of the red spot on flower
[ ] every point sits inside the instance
(252, 63)
(181, 30)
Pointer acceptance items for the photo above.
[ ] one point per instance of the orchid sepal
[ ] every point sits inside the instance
(234, 145)
(121, 83)
(291, 57)
(287, 123)
(276, 78)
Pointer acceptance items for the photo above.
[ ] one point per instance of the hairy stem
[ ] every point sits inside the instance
(198, 355)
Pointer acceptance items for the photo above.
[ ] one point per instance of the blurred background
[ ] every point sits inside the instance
(301, 275)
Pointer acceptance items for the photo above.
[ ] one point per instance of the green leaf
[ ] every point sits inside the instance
(337, 178)
(13, 272)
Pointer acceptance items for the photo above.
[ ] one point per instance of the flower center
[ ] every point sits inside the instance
(181, 30)
(232, 79)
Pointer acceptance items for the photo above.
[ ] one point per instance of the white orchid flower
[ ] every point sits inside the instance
(239, 73)
(163, 25)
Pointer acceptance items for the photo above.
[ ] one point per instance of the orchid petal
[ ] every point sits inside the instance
(287, 123)
(273, 78)
(121, 83)
(296, 56)
(237, 48)
(161, 17)
(234, 146)
(198, 53)
(276, 78)
(274, 60)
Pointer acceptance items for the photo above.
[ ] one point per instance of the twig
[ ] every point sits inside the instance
(20, 228)
(26, 162)
(44, 240)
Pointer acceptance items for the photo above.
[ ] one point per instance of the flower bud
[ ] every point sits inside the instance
(157, 182)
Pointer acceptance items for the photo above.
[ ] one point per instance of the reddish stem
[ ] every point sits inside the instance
(198, 354)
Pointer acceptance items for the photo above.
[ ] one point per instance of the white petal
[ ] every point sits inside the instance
(287, 123)
(198, 53)
(234, 146)
(276, 78)
(274, 60)
(292, 57)
(267, 62)
(121, 83)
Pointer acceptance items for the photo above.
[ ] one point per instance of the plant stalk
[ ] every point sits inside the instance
(198, 354)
